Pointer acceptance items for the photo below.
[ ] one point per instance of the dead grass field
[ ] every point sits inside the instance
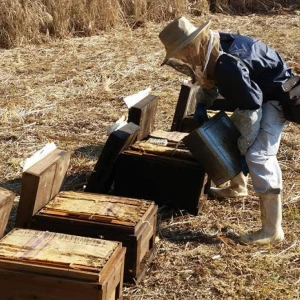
(68, 91)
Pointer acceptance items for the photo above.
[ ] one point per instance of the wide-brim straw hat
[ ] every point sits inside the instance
(179, 33)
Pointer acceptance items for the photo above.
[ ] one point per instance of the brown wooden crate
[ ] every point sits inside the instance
(143, 114)
(48, 265)
(6, 203)
(126, 212)
(130, 221)
(167, 180)
(41, 183)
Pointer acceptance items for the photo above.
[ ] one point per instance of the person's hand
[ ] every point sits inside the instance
(244, 166)
(200, 115)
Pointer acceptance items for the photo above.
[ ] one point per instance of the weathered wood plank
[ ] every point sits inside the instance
(26, 285)
(171, 136)
(143, 114)
(185, 105)
(6, 203)
(145, 146)
(102, 177)
(61, 250)
(40, 183)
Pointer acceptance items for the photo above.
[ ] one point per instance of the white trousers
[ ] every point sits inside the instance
(261, 157)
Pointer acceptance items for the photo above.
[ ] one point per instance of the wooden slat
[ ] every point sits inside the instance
(143, 114)
(185, 105)
(147, 147)
(6, 203)
(145, 240)
(112, 276)
(40, 184)
(24, 285)
(102, 177)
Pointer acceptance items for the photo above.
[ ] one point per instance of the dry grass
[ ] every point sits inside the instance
(35, 21)
(68, 91)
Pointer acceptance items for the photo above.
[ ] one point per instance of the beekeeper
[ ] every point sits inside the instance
(249, 74)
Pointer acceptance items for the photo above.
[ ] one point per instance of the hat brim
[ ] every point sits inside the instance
(186, 41)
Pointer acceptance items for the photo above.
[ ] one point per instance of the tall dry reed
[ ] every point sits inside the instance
(31, 21)
(20, 22)
(84, 17)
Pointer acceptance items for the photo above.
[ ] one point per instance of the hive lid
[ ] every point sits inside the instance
(173, 136)
(97, 207)
(59, 251)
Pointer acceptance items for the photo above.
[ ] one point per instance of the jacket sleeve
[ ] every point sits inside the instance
(235, 84)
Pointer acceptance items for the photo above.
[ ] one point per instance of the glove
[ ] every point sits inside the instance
(244, 166)
(200, 115)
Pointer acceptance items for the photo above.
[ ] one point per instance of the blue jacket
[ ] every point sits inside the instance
(255, 79)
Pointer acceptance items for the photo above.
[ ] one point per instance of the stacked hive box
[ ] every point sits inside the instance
(130, 221)
(43, 207)
(47, 265)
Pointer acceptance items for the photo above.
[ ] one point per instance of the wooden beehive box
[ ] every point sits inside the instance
(48, 266)
(6, 203)
(130, 221)
(167, 174)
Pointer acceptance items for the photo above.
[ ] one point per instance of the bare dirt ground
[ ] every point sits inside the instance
(70, 90)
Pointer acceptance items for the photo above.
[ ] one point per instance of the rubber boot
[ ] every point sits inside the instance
(271, 217)
(237, 188)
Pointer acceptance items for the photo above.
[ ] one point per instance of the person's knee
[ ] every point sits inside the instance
(254, 157)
